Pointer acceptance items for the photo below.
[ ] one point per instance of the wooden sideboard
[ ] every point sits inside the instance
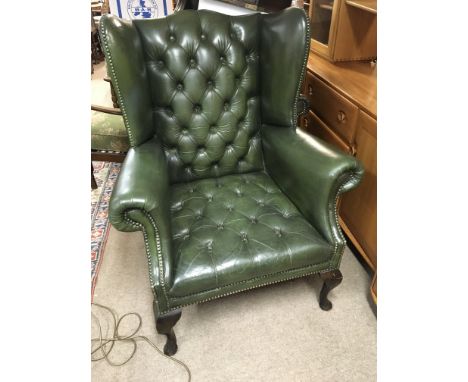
(343, 99)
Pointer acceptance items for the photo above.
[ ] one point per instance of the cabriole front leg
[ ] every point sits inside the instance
(165, 325)
(330, 280)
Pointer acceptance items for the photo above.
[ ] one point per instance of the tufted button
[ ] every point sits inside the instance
(160, 63)
(230, 208)
(210, 198)
(191, 190)
(278, 232)
(171, 37)
(180, 86)
(197, 108)
(222, 58)
(243, 236)
(220, 226)
(212, 129)
(203, 36)
(198, 216)
(261, 204)
(254, 220)
(210, 83)
(239, 193)
(192, 63)
(184, 131)
(226, 106)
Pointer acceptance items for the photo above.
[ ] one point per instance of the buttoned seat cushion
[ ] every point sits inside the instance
(108, 132)
(235, 228)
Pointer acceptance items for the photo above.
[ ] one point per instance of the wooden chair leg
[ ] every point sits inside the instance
(93, 180)
(330, 281)
(165, 325)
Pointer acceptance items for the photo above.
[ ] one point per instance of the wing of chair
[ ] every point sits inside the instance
(228, 195)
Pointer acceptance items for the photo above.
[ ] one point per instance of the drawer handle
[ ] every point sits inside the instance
(311, 92)
(341, 117)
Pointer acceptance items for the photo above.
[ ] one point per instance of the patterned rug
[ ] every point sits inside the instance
(105, 174)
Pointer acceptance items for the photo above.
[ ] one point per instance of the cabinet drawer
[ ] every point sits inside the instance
(336, 111)
(314, 126)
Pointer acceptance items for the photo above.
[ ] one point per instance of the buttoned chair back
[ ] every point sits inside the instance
(208, 84)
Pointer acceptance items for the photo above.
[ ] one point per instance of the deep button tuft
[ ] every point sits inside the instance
(220, 226)
(171, 37)
(254, 220)
(180, 86)
(212, 129)
(226, 106)
(193, 63)
(243, 236)
(278, 232)
(160, 63)
(197, 108)
(210, 198)
(203, 36)
(210, 83)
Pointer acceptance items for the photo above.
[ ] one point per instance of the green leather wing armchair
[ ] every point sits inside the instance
(228, 195)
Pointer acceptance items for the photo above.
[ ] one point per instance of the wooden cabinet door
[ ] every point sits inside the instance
(359, 206)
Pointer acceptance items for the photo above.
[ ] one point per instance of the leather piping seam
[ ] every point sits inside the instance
(115, 83)
(252, 287)
(303, 69)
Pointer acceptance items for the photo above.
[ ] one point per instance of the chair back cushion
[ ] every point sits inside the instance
(203, 69)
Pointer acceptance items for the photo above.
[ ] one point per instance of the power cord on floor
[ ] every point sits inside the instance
(105, 345)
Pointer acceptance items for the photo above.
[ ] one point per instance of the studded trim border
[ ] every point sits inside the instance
(303, 69)
(252, 287)
(148, 253)
(338, 254)
(115, 82)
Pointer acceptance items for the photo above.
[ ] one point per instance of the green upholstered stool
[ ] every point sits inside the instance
(109, 137)
(108, 133)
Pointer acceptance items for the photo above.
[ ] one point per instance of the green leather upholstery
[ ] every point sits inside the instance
(228, 195)
(108, 132)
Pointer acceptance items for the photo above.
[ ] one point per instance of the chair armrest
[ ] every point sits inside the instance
(141, 201)
(106, 109)
(312, 174)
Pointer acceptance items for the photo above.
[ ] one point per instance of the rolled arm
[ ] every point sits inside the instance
(140, 201)
(312, 174)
